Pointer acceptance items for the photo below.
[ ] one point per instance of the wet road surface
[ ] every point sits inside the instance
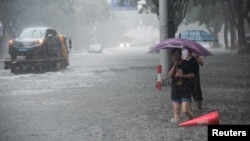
(112, 97)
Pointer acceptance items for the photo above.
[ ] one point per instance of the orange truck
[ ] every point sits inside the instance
(38, 49)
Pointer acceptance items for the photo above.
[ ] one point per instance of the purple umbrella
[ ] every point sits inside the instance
(181, 43)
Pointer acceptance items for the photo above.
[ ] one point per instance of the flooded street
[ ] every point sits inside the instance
(112, 97)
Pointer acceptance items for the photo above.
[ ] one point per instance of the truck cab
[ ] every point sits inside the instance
(35, 43)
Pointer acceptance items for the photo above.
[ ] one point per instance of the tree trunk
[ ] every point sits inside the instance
(232, 35)
(240, 26)
(241, 33)
(225, 33)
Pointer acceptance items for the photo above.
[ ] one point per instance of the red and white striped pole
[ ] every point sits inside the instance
(158, 84)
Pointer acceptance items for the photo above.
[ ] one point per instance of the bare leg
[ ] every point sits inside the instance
(177, 112)
(190, 105)
(199, 105)
(186, 109)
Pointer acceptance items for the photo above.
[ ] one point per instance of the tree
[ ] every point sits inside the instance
(230, 13)
(238, 14)
(63, 15)
(176, 13)
(213, 20)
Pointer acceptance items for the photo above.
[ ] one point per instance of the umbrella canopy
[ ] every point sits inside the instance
(197, 35)
(181, 43)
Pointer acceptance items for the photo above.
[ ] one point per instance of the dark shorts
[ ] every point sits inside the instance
(180, 100)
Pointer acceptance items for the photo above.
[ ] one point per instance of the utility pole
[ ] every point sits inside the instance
(163, 18)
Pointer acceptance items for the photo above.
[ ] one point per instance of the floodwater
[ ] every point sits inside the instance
(112, 97)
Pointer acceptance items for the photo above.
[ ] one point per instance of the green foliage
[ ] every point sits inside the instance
(207, 12)
(204, 3)
(15, 14)
(176, 12)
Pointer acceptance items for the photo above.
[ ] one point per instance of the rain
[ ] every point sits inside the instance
(108, 91)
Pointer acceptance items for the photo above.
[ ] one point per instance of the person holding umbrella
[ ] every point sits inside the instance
(195, 61)
(180, 74)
